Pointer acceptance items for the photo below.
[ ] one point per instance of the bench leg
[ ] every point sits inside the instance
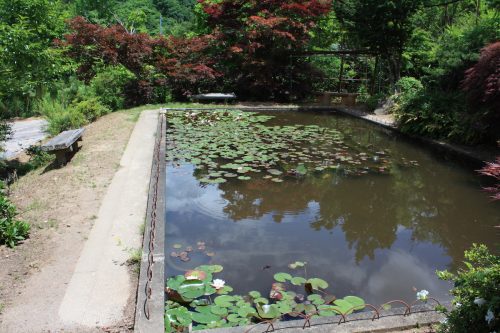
(61, 157)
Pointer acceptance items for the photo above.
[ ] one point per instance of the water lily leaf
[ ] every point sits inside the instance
(204, 318)
(277, 180)
(254, 294)
(195, 275)
(344, 306)
(247, 311)
(355, 301)
(179, 316)
(328, 310)
(219, 311)
(282, 277)
(297, 280)
(301, 169)
(225, 290)
(224, 301)
(244, 178)
(261, 300)
(315, 299)
(233, 318)
(210, 268)
(174, 283)
(268, 311)
(297, 264)
(274, 172)
(177, 246)
(317, 283)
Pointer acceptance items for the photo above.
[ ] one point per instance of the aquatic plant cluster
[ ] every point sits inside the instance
(197, 299)
(225, 144)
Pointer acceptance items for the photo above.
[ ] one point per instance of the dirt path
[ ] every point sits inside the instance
(61, 205)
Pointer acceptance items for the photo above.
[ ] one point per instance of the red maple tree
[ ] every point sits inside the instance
(257, 40)
(182, 65)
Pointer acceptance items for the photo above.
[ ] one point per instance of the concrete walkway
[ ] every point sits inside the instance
(100, 286)
(25, 133)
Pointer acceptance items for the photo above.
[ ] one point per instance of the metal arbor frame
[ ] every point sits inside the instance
(343, 54)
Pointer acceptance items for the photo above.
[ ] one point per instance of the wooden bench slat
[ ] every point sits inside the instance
(64, 140)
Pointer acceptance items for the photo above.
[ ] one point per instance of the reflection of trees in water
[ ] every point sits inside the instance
(368, 209)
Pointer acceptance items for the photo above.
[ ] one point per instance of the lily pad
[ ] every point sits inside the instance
(282, 277)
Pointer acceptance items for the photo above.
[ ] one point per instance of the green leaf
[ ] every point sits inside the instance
(210, 268)
(204, 318)
(317, 283)
(179, 316)
(254, 294)
(344, 306)
(357, 302)
(224, 301)
(268, 311)
(246, 311)
(282, 277)
(315, 299)
(261, 300)
(297, 281)
(219, 311)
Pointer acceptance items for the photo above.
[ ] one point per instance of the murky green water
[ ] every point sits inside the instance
(375, 235)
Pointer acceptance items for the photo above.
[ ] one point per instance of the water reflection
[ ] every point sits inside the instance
(377, 236)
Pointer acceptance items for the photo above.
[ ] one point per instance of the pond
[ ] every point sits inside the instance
(370, 212)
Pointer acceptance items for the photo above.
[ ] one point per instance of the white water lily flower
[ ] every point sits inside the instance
(191, 277)
(266, 308)
(218, 284)
(479, 301)
(458, 304)
(489, 316)
(422, 295)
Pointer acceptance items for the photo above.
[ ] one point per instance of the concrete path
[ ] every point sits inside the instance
(100, 286)
(25, 133)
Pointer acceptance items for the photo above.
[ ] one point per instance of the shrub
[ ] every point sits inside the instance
(69, 118)
(438, 115)
(109, 85)
(476, 294)
(12, 231)
(91, 109)
(38, 157)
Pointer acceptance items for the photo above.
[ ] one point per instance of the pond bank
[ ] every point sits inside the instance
(475, 154)
(63, 206)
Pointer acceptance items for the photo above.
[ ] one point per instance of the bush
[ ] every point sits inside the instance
(437, 114)
(12, 231)
(59, 115)
(109, 85)
(372, 102)
(477, 294)
(91, 109)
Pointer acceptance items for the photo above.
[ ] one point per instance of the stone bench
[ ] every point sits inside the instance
(347, 99)
(64, 144)
(214, 97)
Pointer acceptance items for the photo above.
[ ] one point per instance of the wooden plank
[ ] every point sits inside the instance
(64, 140)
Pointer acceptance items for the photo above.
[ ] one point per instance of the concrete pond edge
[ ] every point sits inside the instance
(150, 306)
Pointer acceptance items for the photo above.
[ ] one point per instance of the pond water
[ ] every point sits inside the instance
(376, 231)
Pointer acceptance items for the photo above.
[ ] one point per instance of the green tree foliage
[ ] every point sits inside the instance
(27, 63)
(382, 26)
